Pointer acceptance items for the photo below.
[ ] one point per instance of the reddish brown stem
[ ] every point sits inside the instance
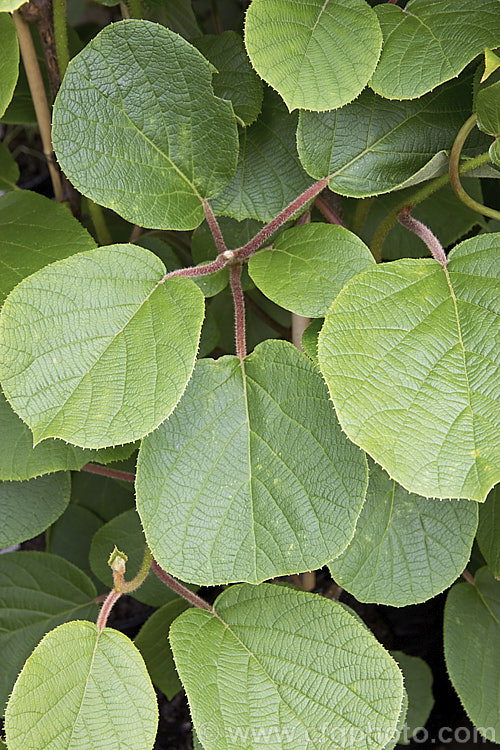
(239, 311)
(327, 212)
(468, 577)
(203, 270)
(425, 234)
(253, 245)
(111, 473)
(214, 228)
(180, 589)
(106, 608)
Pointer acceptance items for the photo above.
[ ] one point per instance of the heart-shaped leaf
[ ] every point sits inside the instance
(283, 668)
(428, 42)
(393, 140)
(9, 59)
(409, 355)
(92, 691)
(251, 477)
(100, 334)
(406, 548)
(307, 267)
(138, 129)
(318, 54)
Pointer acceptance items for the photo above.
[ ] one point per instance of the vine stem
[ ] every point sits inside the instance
(180, 589)
(204, 269)
(239, 311)
(39, 98)
(425, 234)
(454, 171)
(327, 212)
(214, 228)
(141, 575)
(468, 577)
(106, 608)
(61, 34)
(111, 473)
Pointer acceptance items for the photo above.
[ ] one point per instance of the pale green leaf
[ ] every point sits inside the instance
(401, 723)
(152, 641)
(409, 355)
(37, 592)
(488, 109)
(269, 174)
(318, 54)
(235, 80)
(471, 638)
(9, 58)
(28, 508)
(251, 477)
(491, 63)
(19, 460)
(373, 145)
(35, 231)
(9, 171)
(310, 339)
(307, 267)
(488, 533)
(125, 532)
(97, 349)
(280, 668)
(406, 548)
(430, 41)
(418, 683)
(196, 742)
(83, 690)
(138, 129)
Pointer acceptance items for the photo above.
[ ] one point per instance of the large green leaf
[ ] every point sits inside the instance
(138, 129)
(152, 641)
(19, 460)
(430, 41)
(406, 548)
(235, 80)
(318, 54)
(28, 508)
(9, 59)
(37, 592)
(179, 16)
(280, 668)
(9, 171)
(307, 267)
(488, 533)
(71, 536)
(488, 116)
(418, 682)
(92, 691)
(97, 349)
(374, 145)
(471, 638)
(35, 231)
(408, 351)
(251, 477)
(269, 174)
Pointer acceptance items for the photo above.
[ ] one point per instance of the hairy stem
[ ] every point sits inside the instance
(454, 171)
(361, 210)
(239, 311)
(202, 270)
(425, 234)
(142, 573)
(420, 195)
(214, 228)
(106, 608)
(180, 589)
(61, 35)
(39, 98)
(327, 212)
(104, 471)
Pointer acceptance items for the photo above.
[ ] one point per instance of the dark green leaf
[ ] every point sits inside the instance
(488, 533)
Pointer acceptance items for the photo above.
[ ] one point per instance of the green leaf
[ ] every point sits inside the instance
(400, 726)
(283, 668)
(310, 339)
(28, 508)
(471, 637)
(269, 174)
(488, 533)
(179, 16)
(71, 536)
(196, 742)
(147, 91)
(406, 548)
(491, 63)
(20, 461)
(35, 231)
(9, 58)
(92, 691)
(104, 497)
(125, 532)
(488, 116)
(307, 267)
(152, 641)
(379, 159)
(9, 171)
(318, 54)
(418, 682)
(118, 349)
(251, 477)
(428, 42)
(408, 353)
(235, 80)
(37, 592)
(210, 335)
